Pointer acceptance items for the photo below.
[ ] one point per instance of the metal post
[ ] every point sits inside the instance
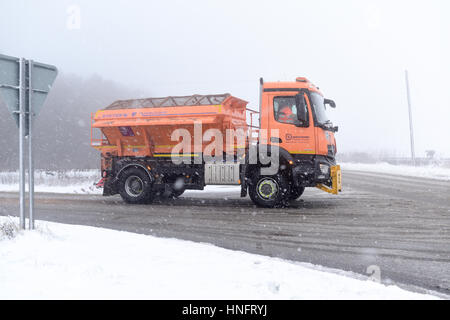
(411, 132)
(30, 147)
(21, 142)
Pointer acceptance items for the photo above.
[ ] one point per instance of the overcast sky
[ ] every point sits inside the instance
(355, 51)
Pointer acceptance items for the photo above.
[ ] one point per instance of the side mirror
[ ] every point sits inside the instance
(335, 129)
(329, 102)
(302, 114)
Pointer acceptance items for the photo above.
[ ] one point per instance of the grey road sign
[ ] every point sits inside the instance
(43, 77)
(9, 84)
(24, 85)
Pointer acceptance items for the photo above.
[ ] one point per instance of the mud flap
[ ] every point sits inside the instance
(336, 179)
(100, 184)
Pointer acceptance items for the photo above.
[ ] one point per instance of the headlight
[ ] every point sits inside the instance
(324, 168)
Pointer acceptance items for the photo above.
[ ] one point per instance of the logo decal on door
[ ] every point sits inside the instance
(291, 138)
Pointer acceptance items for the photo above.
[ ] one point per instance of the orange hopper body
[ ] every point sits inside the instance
(144, 127)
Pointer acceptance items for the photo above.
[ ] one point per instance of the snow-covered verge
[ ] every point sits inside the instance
(76, 182)
(432, 172)
(68, 181)
(59, 261)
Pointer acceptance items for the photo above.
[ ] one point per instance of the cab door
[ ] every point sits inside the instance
(295, 137)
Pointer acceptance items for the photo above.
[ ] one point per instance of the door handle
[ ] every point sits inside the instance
(276, 140)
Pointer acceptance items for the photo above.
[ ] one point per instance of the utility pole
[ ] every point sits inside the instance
(411, 131)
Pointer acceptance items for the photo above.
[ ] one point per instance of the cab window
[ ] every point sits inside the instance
(285, 110)
(320, 110)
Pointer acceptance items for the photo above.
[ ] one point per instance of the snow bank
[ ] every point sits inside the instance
(76, 262)
(69, 181)
(432, 172)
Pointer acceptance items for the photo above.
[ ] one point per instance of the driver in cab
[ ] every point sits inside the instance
(286, 115)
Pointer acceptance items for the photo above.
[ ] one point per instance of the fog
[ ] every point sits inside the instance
(355, 51)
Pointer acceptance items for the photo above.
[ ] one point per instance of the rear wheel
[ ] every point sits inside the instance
(135, 186)
(269, 191)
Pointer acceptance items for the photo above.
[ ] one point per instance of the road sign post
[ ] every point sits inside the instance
(22, 142)
(30, 146)
(24, 86)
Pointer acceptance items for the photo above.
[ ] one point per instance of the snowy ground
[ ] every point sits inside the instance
(70, 181)
(60, 261)
(432, 172)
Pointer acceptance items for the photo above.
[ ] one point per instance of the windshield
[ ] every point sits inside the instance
(319, 108)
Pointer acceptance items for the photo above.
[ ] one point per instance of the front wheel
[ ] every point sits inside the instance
(269, 191)
(135, 186)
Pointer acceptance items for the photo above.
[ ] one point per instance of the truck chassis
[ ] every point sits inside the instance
(140, 180)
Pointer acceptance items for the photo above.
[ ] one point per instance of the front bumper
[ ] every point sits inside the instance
(336, 181)
(308, 171)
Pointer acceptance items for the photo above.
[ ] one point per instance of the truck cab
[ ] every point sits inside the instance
(297, 111)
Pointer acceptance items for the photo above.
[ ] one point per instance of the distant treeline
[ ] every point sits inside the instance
(62, 130)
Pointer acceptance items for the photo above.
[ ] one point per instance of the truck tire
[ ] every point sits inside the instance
(269, 191)
(296, 192)
(135, 186)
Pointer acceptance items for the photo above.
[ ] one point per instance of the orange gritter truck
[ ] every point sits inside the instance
(158, 146)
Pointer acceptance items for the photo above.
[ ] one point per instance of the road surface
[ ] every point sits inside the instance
(398, 224)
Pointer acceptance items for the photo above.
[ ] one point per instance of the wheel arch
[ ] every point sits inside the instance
(285, 159)
(134, 165)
